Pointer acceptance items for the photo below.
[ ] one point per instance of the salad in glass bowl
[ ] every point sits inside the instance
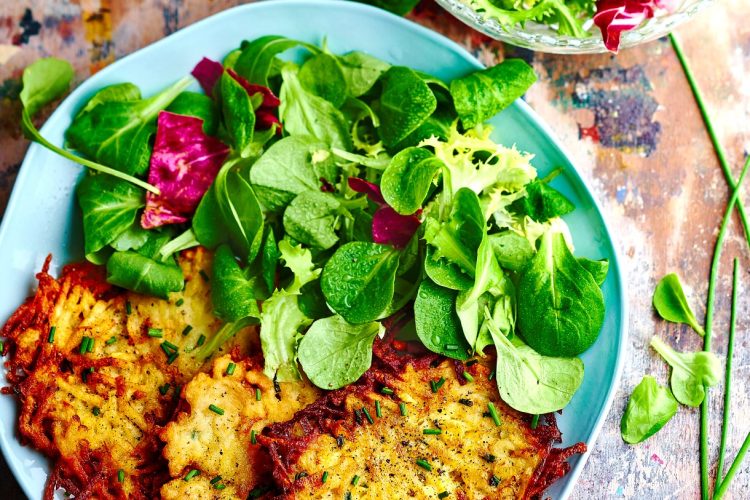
(574, 26)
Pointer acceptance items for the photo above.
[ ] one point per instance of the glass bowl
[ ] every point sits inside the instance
(544, 38)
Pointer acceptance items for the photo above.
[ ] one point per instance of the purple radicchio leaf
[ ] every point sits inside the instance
(265, 115)
(388, 226)
(207, 72)
(184, 163)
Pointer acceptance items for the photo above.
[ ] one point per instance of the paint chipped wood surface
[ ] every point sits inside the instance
(634, 132)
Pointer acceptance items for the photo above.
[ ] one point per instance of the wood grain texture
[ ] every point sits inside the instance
(635, 134)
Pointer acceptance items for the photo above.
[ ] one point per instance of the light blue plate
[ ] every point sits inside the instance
(42, 217)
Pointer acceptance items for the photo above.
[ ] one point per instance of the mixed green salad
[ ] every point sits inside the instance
(338, 192)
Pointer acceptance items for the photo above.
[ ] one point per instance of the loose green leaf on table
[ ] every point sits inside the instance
(649, 408)
(437, 324)
(358, 280)
(334, 353)
(408, 178)
(530, 382)
(110, 207)
(481, 95)
(672, 305)
(405, 103)
(692, 372)
(560, 306)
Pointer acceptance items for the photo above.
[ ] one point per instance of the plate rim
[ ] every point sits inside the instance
(621, 286)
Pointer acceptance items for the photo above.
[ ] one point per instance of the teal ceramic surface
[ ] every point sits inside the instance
(42, 216)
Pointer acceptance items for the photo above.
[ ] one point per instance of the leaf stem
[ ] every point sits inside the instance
(720, 153)
(728, 378)
(719, 493)
(709, 320)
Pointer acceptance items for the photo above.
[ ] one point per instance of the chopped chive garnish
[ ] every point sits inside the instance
(204, 275)
(187, 329)
(378, 410)
(179, 302)
(155, 332)
(491, 375)
(163, 389)
(355, 480)
(201, 340)
(258, 394)
(90, 346)
(493, 413)
(324, 478)
(51, 336)
(300, 475)
(190, 475)
(166, 350)
(121, 476)
(367, 415)
(451, 347)
(84, 345)
(489, 458)
(128, 308)
(387, 391)
(444, 494)
(494, 481)
(424, 464)
(172, 357)
(534, 421)
(111, 340)
(216, 409)
(96, 411)
(402, 407)
(253, 439)
(215, 480)
(85, 373)
(468, 377)
(220, 486)
(348, 495)
(433, 432)
(435, 386)
(432, 386)
(170, 345)
(230, 368)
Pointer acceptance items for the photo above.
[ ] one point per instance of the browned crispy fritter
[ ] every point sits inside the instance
(99, 412)
(222, 445)
(373, 456)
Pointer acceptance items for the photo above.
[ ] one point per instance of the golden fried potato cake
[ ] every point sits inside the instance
(416, 431)
(97, 371)
(214, 431)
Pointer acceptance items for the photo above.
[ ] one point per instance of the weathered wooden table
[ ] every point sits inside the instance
(635, 134)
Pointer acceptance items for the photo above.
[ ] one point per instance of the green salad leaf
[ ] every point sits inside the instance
(692, 372)
(239, 115)
(405, 103)
(142, 274)
(323, 75)
(118, 92)
(334, 353)
(597, 268)
(437, 324)
(258, 57)
(110, 208)
(312, 218)
(361, 71)
(542, 202)
(233, 295)
(198, 105)
(530, 382)
(672, 305)
(304, 113)
(358, 280)
(512, 250)
(560, 306)
(408, 179)
(649, 408)
(482, 94)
